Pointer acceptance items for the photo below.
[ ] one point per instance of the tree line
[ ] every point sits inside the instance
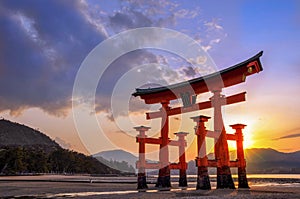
(21, 160)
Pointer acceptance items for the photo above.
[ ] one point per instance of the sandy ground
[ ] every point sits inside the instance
(81, 187)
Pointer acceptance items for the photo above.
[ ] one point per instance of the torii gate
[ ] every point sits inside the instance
(188, 91)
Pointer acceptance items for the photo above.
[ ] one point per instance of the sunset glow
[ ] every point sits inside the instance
(42, 52)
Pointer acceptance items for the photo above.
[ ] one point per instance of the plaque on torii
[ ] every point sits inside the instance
(187, 92)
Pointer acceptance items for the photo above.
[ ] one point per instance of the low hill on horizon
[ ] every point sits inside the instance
(117, 155)
(267, 160)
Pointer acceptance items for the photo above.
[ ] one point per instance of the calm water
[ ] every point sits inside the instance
(280, 180)
(251, 176)
(292, 180)
(255, 180)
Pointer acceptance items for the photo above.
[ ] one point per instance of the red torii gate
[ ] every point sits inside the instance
(188, 91)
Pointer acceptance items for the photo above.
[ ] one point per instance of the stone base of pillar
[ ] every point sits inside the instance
(203, 178)
(182, 180)
(242, 178)
(142, 182)
(224, 178)
(163, 180)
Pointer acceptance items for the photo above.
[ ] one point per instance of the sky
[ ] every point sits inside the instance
(44, 44)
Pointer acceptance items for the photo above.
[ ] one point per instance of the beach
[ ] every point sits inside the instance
(61, 186)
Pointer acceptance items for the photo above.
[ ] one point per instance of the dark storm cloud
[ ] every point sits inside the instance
(42, 45)
(144, 13)
(131, 19)
(114, 72)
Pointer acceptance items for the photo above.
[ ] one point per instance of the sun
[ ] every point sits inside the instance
(247, 143)
(248, 139)
(248, 135)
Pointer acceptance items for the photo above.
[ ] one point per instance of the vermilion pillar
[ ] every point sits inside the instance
(242, 176)
(182, 161)
(142, 183)
(224, 178)
(163, 179)
(201, 159)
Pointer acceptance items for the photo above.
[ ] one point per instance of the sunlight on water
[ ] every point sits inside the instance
(277, 184)
(78, 194)
(285, 181)
(277, 176)
(91, 193)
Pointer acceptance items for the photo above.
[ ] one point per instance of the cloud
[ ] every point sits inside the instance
(189, 71)
(115, 72)
(288, 136)
(293, 135)
(63, 143)
(133, 19)
(184, 13)
(43, 43)
(214, 24)
(41, 53)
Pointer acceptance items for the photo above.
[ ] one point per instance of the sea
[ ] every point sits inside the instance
(280, 181)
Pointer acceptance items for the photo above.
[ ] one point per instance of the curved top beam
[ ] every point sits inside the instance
(227, 77)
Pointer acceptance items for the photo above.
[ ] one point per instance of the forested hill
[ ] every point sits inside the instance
(26, 150)
(14, 134)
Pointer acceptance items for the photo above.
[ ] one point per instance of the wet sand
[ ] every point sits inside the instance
(125, 187)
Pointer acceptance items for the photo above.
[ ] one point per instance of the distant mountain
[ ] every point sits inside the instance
(26, 150)
(259, 160)
(118, 155)
(268, 154)
(121, 166)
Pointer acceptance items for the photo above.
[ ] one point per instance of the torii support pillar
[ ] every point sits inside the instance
(182, 161)
(201, 159)
(242, 176)
(163, 180)
(224, 178)
(142, 182)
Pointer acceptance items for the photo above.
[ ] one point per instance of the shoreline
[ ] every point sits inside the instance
(151, 179)
(125, 187)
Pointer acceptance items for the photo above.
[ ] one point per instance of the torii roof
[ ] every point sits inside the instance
(227, 77)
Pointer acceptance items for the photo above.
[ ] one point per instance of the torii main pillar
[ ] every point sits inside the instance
(201, 159)
(224, 178)
(163, 179)
(242, 176)
(182, 161)
(142, 182)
